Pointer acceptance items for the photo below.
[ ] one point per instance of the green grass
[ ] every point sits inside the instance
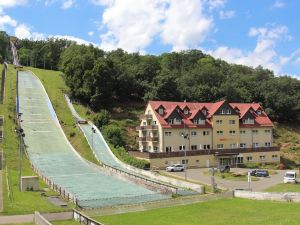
(56, 87)
(16, 202)
(65, 222)
(220, 212)
(284, 188)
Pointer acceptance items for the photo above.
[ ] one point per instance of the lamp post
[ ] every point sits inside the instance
(93, 131)
(21, 135)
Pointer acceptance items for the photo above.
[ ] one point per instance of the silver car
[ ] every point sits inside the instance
(175, 168)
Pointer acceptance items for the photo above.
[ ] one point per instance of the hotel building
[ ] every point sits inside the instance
(206, 134)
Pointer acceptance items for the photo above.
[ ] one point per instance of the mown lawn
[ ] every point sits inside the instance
(284, 188)
(220, 212)
(16, 202)
(65, 222)
(56, 87)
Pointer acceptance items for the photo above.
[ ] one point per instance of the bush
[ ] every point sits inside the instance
(121, 154)
(112, 133)
(101, 119)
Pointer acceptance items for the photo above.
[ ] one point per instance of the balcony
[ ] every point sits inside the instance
(149, 127)
(145, 139)
(147, 117)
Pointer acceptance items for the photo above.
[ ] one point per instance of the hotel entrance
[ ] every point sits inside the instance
(228, 159)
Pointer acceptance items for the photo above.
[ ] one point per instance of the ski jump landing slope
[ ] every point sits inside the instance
(53, 156)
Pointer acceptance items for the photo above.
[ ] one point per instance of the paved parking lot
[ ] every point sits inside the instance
(260, 185)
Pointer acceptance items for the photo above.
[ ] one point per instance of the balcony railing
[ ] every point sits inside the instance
(147, 117)
(148, 127)
(144, 139)
(215, 152)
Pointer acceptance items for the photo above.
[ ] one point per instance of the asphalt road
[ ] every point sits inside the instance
(260, 185)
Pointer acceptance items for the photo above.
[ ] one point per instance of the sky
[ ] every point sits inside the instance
(247, 32)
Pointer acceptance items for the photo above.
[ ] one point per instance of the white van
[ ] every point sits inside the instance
(290, 177)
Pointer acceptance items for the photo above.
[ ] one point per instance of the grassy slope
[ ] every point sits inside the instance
(55, 87)
(288, 137)
(18, 202)
(285, 188)
(221, 212)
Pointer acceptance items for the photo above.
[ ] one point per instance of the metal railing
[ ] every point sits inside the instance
(148, 127)
(153, 155)
(143, 139)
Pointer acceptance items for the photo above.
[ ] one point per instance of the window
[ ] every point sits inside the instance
(262, 157)
(243, 145)
(171, 121)
(219, 121)
(220, 146)
(255, 145)
(258, 112)
(168, 148)
(232, 132)
(231, 122)
(248, 121)
(242, 132)
(194, 147)
(154, 122)
(267, 131)
(228, 111)
(168, 133)
(232, 146)
(177, 121)
(223, 111)
(206, 132)
(274, 157)
(219, 132)
(199, 121)
(206, 146)
(181, 147)
(255, 132)
(204, 112)
(267, 144)
(186, 111)
(249, 158)
(239, 160)
(185, 161)
(155, 148)
(160, 111)
(193, 133)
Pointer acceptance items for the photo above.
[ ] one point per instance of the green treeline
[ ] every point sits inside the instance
(98, 78)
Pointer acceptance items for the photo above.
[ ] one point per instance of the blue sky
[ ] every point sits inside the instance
(252, 32)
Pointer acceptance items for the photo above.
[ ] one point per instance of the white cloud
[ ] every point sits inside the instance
(278, 4)
(264, 52)
(226, 14)
(131, 28)
(22, 31)
(68, 4)
(213, 4)
(182, 24)
(6, 20)
(185, 28)
(11, 3)
(91, 33)
(72, 38)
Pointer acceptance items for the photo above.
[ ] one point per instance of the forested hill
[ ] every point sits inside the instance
(98, 78)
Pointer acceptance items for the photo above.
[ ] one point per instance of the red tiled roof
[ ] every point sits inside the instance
(195, 107)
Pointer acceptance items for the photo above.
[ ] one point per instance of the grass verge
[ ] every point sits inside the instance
(222, 212)
(16, 202)
(231, 176)
(284, 188)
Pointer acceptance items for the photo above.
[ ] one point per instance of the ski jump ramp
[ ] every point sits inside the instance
(59, 164)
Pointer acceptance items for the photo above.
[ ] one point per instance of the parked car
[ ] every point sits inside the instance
(224, 168)
(259, 173)
(175, 168)
(290, 177)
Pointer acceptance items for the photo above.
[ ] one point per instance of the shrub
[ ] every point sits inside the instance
(112, 133)
(101, 119)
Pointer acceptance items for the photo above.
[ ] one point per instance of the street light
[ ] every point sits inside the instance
(185, 136)
(21, 135)
(93, 132)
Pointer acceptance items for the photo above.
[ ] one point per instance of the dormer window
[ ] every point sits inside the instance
(160, 111)
(248, 121)
(171, 121)
(199, 121)
(204, 112)
(186, 111)
(258, 112)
